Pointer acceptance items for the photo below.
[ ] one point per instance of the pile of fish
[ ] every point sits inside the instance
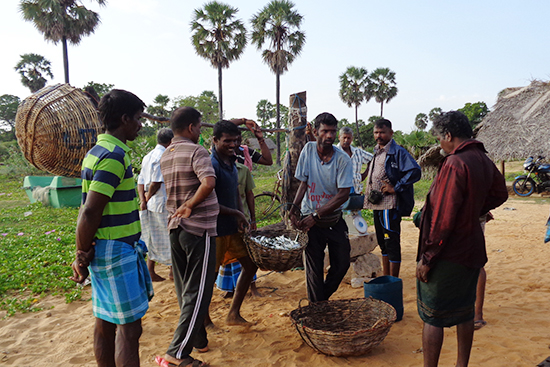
(277, 243)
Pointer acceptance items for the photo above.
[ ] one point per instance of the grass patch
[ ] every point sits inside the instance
(37, 245)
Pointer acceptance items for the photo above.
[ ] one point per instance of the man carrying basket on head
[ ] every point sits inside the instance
(326, 176)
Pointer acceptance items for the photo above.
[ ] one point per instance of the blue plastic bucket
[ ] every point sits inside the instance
(388, 289)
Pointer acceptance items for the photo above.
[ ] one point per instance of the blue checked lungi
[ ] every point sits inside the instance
(228, 276)
(155, 234)
(121, 284)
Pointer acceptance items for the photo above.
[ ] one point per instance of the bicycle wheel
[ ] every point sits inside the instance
(524, 186)
(265, 203)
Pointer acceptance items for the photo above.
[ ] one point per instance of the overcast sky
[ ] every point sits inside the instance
(444, 53)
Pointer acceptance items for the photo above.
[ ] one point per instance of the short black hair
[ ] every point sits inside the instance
(183, 117)
(455, 123)
(225, 127)
(382, 123)
(116, 104)
(325, 118)
(164, 136)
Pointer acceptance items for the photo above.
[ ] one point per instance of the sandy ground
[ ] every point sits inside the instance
(516, 308)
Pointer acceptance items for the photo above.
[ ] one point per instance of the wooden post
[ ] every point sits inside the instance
(502, 167)
(296, 141)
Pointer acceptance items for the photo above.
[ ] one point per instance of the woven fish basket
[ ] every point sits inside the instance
(267, 258)
(55, 128)
(347, 327)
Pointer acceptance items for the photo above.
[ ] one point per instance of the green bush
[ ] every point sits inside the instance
(15, 164)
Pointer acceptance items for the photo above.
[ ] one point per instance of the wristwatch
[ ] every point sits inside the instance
(315, 215)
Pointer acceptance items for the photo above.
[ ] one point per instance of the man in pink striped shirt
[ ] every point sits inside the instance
(192, 203)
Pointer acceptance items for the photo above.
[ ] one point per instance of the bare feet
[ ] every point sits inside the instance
(254, 290)
(169, 361)
(202, 350)
(156, 278)
(208, 324)
(226, 295)
(478, 324)
(236, 320)
(171, 275)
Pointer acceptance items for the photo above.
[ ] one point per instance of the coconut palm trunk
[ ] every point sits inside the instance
(65, 59)
(296, 141)
(220, 102)
(357, 127)
(382, 109)
(278, 124)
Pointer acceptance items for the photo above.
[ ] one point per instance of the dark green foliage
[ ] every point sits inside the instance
(416, 142)
(382, 86)
(33, 68)
(8, 109)
(475, 112)
(421, 121)
(100, 88)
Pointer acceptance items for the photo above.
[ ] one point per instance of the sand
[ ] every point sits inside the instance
(516, 308)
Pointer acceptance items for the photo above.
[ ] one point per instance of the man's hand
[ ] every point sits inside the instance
(242, 223)
(80, 265)
(84, 258)
(306, 223)
(183, 211)
(387, 188)
(422, 272)
(254, 128)
(143, 205)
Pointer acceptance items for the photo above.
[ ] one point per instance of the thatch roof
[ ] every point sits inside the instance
(519, 125)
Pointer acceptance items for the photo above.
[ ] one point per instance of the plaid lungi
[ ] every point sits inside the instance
(228, 276)
(121, 285)
(155, 234)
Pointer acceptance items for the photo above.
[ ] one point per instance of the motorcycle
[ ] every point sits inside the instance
(537, 178)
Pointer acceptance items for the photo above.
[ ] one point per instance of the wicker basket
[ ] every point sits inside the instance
(348, 327)
(55, 128)
(272, 259)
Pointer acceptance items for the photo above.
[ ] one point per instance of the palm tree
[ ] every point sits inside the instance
(32, 68)
(279, 25)
(61, 21)
(382, 86)
(434, 113)
(352, 90)
(218, 37)
(421, 121)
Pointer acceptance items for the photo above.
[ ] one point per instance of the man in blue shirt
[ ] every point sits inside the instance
(326, 176)
(229, 243)
(392, 172)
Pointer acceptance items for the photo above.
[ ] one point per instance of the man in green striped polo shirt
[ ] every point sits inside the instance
(107, 235)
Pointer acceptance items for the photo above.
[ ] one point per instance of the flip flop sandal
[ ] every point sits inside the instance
(478, 324)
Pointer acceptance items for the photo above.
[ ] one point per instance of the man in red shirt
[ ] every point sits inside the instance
(451, 248)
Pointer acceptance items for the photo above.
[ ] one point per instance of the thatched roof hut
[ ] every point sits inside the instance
(519, 125)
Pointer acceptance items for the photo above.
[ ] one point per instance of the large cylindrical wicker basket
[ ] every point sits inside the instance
(55, 128)
(347, 327)
(274, 259)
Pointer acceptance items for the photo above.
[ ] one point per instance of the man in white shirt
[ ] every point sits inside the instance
(153, 213)
(358, 158)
